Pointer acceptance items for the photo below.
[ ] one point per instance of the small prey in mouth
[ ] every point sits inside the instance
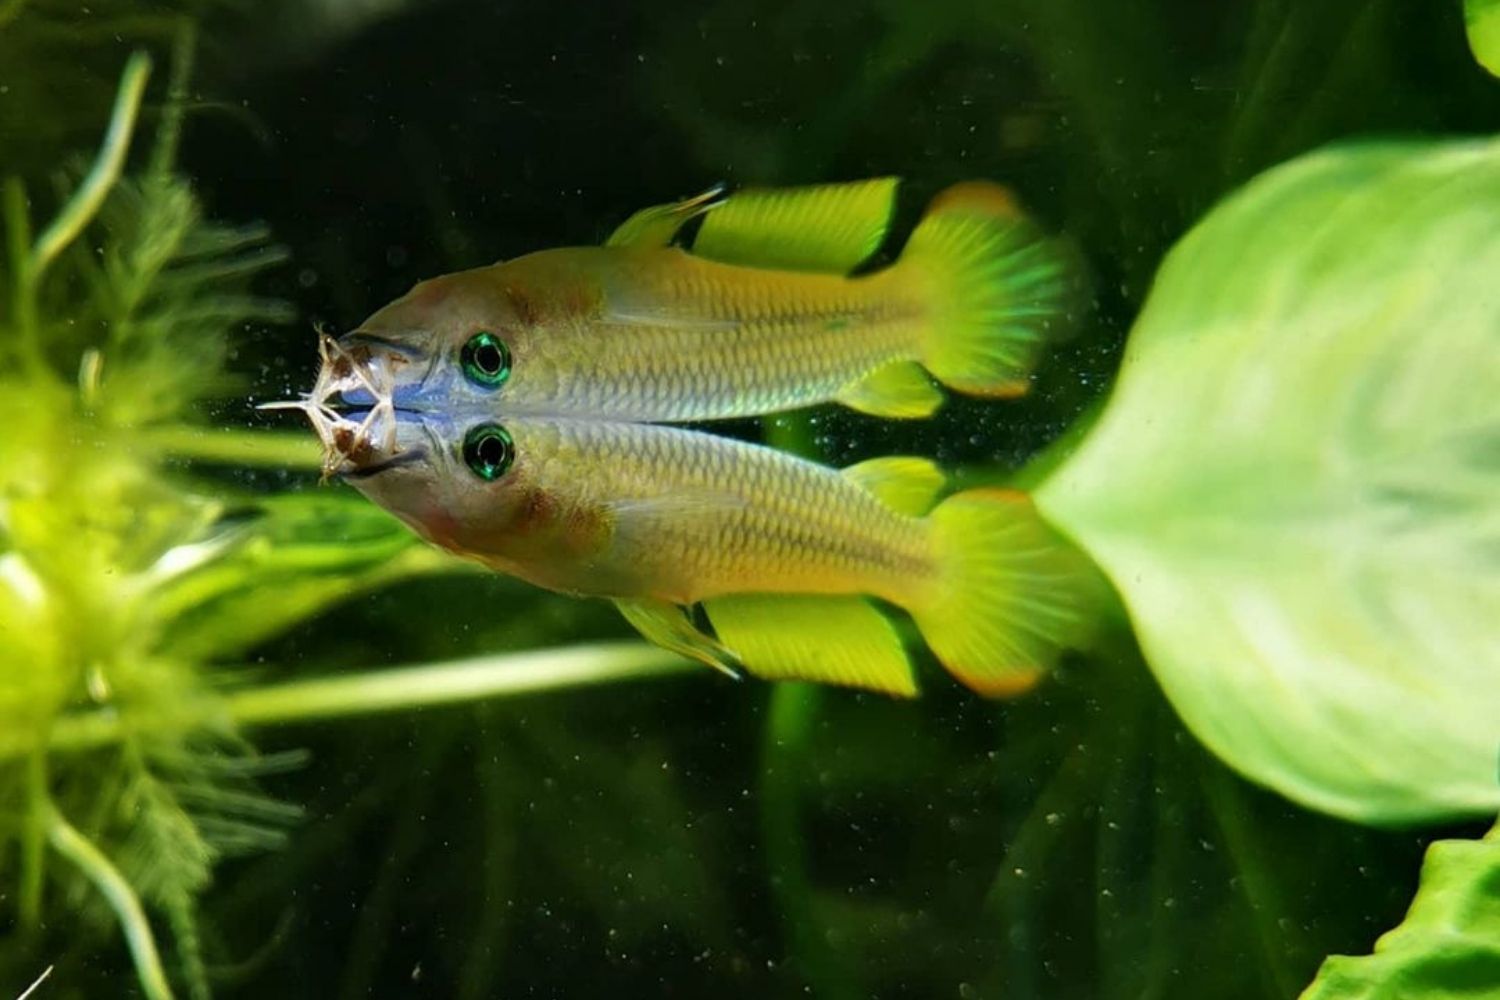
(362, 440)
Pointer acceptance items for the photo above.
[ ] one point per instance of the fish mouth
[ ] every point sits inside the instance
(353, 408)
(397, 460)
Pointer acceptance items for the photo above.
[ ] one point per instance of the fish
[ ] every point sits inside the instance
(526, 416)
(781, 555)
(763, 310)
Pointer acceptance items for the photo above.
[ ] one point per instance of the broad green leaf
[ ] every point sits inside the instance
(1296, 484)
(1482, 19)
(1449, 944)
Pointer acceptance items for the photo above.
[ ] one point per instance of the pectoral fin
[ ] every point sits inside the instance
(657, 225)
(669, 626)
(834, 639)
(900, 389)
(906, 485)
(828, 228)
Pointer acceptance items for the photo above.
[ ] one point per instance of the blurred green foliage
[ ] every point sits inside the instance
(1449, 943)
(669, 839)
(1293, 483)
(123, 586)
(1482, 19)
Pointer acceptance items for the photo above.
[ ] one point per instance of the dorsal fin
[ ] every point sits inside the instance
(656, 225)
(828, 228)
(906, 484)
(833, 639)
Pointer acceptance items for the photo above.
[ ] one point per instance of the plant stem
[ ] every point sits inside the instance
(1228, 807)
(34, 840)
(78, 849)
(792, 711)
(169, 132)
(397, 689)
(85, 202)
(455, 681)
(229, 446)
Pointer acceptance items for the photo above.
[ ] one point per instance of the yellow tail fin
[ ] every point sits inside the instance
(997, 289)
(1010, 593)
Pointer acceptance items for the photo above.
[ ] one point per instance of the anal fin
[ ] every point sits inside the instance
(833, 639)
(905, 484)
(669, 626)
(900, 389)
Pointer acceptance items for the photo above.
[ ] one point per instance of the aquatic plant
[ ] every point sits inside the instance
(1482, 18)
(127, 588)
(1293, 482)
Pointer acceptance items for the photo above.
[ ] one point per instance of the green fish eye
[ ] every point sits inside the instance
(485, 360)
(488, 451)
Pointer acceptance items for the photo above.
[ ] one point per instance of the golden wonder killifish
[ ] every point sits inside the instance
(760, 316)
(567, 477)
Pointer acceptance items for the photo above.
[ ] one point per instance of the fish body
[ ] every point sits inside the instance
(519, 415)
(640, 331)
(628, 510)
(660, 518)
(656, 334)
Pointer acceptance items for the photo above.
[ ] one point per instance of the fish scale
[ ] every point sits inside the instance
(731, 509)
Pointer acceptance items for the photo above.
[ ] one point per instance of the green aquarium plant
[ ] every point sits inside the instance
(1482, 19)
(1448, 945)
(1294, 485)
(128, 589)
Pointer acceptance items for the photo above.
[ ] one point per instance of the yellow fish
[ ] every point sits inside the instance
(780, 552)
(761, 316)
(510, 415)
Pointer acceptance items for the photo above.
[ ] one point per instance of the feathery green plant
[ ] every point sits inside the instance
(125, 589)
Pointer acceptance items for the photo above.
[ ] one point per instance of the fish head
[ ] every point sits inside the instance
(450, 344)
(469, 486)
(454, 474)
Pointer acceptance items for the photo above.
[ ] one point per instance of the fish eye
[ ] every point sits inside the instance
(485, 360)
(488, 451)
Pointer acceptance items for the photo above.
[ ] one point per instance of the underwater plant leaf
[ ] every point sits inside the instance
(301, 554)
(1449, 944)
(1294, 486)
(1482, 22)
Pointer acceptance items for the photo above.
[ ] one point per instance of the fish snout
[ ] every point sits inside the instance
(353, 407)
(366, 369)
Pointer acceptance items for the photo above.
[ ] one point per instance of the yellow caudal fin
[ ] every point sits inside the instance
(832, 639)
(1009, 594)
(997, 289)
(905, 484)
(827, 228)
(900, 389)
